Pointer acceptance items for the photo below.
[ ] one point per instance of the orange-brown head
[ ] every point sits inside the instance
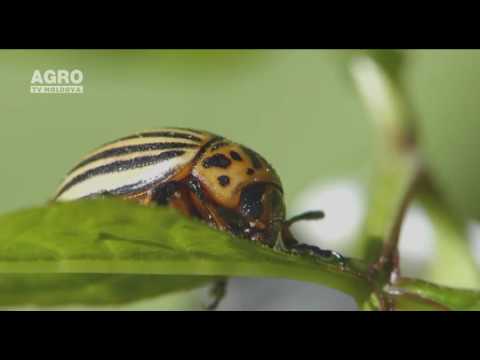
(245, 191)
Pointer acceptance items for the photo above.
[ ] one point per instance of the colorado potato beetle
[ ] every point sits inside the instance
(203, 175)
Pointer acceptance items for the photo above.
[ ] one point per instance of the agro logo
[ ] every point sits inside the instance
(57, 82)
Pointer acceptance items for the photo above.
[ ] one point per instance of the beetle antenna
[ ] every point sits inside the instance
(308, 215)
(287, 236)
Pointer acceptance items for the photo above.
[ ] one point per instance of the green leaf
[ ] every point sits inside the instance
(454, 263)
(436, 297)
(111, 251)
(44, 290)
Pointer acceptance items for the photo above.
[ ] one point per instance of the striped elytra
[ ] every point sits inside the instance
(201, 174)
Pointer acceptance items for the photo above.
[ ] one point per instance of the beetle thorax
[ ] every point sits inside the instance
(226, 168)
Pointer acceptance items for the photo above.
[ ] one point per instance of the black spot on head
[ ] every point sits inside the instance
(251, 200)
(224, 180)
(235, 155)
(250, 171)
(217, 160)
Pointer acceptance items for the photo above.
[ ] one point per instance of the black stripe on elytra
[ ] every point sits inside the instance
(170, 134)
(254, 157)
(122, 165)
(137, 187)
(199, 132)
(133, 149)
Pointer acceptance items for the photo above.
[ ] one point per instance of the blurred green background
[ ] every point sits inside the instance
(296, 107)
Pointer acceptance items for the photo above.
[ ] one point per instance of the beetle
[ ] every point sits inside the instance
(201, 174)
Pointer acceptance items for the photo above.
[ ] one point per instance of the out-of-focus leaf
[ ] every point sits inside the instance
(444, 85)
(118, 247)
(392, 61)
(454, 264)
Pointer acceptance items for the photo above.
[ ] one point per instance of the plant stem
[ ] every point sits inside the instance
(397, 165)
(389, 258)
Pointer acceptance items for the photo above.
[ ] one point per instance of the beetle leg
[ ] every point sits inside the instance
(218, 291)
(209, 214)
(172, 194)
(142, 197)
(292, 244)
(202, 205)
